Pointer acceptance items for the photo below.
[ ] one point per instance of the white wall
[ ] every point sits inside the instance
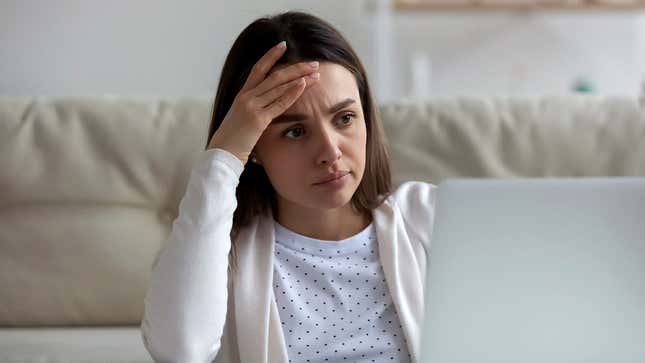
(176, 48)
(167, 48)
(526, 53)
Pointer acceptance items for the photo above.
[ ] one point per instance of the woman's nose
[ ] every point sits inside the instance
(329, 150)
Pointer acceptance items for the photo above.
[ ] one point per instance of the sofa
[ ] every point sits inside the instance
(89, 188)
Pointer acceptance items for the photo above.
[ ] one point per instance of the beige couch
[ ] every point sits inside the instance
(89, 188)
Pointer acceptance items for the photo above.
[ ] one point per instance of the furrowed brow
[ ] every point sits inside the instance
(284, 118)
(295, 117)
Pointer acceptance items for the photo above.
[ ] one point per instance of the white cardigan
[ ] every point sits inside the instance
(196, 310)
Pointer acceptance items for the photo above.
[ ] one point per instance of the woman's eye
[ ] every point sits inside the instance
(293, 133)
(347, 118)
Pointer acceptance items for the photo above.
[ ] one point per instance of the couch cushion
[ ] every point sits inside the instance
(73, 345)
(89, 190)
(572, 136)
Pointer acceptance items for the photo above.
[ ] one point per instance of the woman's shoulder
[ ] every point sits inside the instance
(416, 202)
(415, 195)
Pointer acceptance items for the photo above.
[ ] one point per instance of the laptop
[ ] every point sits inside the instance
(537, 271)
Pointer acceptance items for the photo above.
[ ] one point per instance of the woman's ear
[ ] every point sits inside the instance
(254, 158)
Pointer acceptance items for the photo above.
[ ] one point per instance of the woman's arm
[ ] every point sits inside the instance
(185, 305)
(186, 301)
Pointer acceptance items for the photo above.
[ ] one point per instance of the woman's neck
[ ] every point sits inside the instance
(329, 225)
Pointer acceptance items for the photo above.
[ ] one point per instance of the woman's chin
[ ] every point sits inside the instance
(333, 201)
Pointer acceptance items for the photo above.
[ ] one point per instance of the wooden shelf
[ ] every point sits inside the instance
(482, 5)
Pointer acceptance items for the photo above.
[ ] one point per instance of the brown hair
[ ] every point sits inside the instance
(308, 38)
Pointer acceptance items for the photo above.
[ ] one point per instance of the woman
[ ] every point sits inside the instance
(302, 253)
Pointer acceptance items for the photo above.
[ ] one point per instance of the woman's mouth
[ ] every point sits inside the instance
(334, 180)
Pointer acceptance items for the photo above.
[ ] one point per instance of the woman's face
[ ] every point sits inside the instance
(321, 136)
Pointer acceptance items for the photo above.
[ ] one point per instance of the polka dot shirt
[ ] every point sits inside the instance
(333, 300)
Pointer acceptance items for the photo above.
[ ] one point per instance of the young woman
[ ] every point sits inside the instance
(289, 245)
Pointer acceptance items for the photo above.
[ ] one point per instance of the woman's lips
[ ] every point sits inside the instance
(335, 184)
(332, 177)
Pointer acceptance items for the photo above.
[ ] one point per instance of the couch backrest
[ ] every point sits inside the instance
(505, 138)
(89, 187)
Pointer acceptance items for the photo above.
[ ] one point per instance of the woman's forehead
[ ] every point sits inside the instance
(324, 66)
(334, 85)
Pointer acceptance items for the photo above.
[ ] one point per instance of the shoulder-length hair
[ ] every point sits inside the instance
(308, 38)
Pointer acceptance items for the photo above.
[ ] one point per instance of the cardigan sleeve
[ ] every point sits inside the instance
(186, 300)
(417, 201)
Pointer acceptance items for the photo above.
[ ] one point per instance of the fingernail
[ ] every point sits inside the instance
(282, 44)
(313, 64)
(315, 75)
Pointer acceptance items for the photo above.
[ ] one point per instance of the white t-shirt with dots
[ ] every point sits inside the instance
(333, 300)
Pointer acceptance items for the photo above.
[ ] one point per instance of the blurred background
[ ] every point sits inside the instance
(105, 107)
(412, 49)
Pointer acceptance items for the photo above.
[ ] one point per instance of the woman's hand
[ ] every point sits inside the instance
(260, 100)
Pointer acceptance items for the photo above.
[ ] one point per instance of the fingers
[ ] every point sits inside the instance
(282, 103)
(263, 66)
(274, 93)
(285, 75)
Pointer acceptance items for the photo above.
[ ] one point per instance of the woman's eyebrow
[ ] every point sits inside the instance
(294, 117)
(340, 105)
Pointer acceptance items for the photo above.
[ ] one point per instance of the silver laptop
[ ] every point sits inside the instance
(537, 270)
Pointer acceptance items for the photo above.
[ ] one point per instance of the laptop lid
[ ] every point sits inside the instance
(537, 270)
